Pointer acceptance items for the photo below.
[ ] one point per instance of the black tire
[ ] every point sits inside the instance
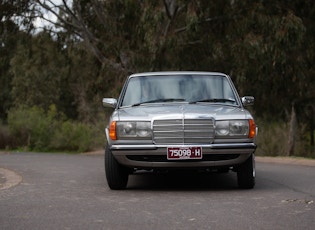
(116, 174)
(246, 173)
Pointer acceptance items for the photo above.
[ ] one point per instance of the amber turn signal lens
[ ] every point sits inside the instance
(112, 130)
(252, 129)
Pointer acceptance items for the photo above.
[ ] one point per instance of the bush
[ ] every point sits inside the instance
(273, 138)
(35, 129)
(303, 146)
(30, 126)
(72, 136)
(38, 130)
(5, 138)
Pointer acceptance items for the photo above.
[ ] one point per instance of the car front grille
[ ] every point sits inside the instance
(183, 131)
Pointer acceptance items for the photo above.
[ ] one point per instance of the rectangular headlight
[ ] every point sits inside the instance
(134, 129)
(232, 128)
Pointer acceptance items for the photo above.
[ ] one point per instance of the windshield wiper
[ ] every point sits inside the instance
(213, 100)
(160, 100)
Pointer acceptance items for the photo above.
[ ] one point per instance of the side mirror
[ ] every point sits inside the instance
(248, 100)
(109, 102)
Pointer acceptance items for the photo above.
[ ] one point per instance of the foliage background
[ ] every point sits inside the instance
(81, 51)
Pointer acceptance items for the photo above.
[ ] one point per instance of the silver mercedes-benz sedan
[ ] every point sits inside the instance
(180, 120)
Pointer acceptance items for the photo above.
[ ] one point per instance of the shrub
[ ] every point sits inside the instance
(303, 144)
(30, 126)
(272, 138)
(72, 136)
(38, 130)
(5, 138)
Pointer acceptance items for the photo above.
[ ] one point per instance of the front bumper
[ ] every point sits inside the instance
(155, 156)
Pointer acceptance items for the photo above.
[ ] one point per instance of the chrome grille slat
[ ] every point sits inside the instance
(183, 131)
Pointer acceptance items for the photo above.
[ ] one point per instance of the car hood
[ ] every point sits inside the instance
(175, 111)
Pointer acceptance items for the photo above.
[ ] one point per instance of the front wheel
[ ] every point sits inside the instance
(246, 173)
(116, 174)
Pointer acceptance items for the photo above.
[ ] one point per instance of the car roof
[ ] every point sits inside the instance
(168, 73)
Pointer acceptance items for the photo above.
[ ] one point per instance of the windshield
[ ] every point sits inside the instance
(178, 88)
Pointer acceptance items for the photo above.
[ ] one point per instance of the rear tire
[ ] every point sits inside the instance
(246, 173)
(116, 174)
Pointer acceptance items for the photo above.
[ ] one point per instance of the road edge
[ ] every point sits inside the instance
(11, 178)
(286, 160)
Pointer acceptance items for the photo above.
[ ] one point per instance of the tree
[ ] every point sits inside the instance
(257, 43)
(266, 41)
(37, 67)
(10, 11)
(87, 21)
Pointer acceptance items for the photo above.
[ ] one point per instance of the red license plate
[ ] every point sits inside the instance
(183, 153)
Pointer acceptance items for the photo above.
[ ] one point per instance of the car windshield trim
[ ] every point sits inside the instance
(215, 100)
(160, 100)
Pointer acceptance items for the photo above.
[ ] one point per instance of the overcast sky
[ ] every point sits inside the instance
(40, 23)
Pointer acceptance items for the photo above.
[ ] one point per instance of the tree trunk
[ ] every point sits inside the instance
(292, 133)
(310, 112)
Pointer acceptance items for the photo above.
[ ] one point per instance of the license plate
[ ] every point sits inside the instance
(183, 153)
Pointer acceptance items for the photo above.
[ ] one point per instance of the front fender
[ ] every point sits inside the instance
(107, 136)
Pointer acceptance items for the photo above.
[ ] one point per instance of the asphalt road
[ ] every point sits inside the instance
(61, 191)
